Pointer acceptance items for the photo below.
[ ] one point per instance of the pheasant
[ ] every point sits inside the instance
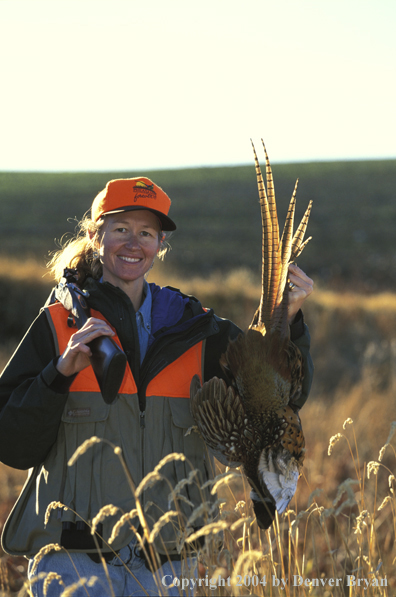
(252, 419)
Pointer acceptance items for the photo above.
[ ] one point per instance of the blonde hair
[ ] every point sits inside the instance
(81, 251)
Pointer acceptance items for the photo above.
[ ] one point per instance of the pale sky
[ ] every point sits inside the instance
(151, 84)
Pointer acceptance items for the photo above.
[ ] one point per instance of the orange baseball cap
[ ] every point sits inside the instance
(128, 194)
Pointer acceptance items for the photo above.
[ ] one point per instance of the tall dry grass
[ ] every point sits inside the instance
(340, 527)
(341, 522)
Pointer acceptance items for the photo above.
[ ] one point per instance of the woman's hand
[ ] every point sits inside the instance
(76, 356)
(302, 288)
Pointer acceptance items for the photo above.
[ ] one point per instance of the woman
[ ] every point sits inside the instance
(50, 400)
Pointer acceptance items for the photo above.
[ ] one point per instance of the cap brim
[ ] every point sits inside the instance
(166, 223)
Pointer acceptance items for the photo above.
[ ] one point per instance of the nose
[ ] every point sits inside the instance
(132, 241)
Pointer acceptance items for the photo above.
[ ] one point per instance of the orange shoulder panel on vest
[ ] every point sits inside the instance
(174, 381)
(85, 380)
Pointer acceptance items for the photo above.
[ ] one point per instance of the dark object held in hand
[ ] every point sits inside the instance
(108, 360)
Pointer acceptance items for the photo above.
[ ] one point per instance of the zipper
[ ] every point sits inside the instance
(146, 375)
(160, 344)
(142, 434)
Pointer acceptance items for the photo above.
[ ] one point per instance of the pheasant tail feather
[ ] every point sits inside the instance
(276, 254)
(264, 311)
(298, 244)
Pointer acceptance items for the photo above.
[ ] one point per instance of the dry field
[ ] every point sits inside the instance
(340, 526)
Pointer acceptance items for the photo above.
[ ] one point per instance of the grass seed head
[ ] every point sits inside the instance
(190, 430)
(201, 510)
(169, 458)
(240, 522)
(175, 494)
(71, 589)
(391, 433)
(372, 467)
(83, 448)
(226, 479)
(108, 510)
(219, 477)
(50, 507)
(43, 552)
(161, 522)
(240, 505)
(387, 499)
(382, 452)
(183, 498)
(245, 563)
(209, 529)
(147, 482)
(301, 514)
(361, 521)
(313, 495)
(123, 520)
(50, 577)
(346, 487)
(333, 440)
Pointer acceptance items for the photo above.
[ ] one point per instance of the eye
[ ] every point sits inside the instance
(145, 233)
(121, 229)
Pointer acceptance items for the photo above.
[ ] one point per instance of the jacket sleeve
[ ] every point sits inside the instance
(32, 398)
(216, 345)
(303, 342)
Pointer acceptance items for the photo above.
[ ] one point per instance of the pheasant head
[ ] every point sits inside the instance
(280, 461)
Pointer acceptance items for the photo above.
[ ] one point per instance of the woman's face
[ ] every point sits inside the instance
(129, 242)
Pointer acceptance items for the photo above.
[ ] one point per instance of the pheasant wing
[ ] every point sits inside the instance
(221, 419)
(296, 372)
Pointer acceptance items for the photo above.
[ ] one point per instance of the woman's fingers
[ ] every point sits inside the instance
(75, 358)
(301, 288)
(300, 279)
(93, 328)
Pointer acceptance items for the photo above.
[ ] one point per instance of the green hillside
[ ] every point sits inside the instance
(218, 217)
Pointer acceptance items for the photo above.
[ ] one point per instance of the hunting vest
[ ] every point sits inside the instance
(103, 476)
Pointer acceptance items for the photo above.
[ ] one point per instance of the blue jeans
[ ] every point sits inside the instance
(125, 580)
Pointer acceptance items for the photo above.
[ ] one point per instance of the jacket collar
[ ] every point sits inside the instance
(171, 311)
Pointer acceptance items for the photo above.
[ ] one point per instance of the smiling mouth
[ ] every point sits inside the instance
(130, 259)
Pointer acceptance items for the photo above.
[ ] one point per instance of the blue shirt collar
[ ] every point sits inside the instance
(145, 308)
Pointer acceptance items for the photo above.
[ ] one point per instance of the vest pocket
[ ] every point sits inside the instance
(181, 415)
(85, 415)
(85, 407)
(187, 440)
(191, 444)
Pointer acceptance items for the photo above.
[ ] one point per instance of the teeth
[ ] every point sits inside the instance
(130, 259)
